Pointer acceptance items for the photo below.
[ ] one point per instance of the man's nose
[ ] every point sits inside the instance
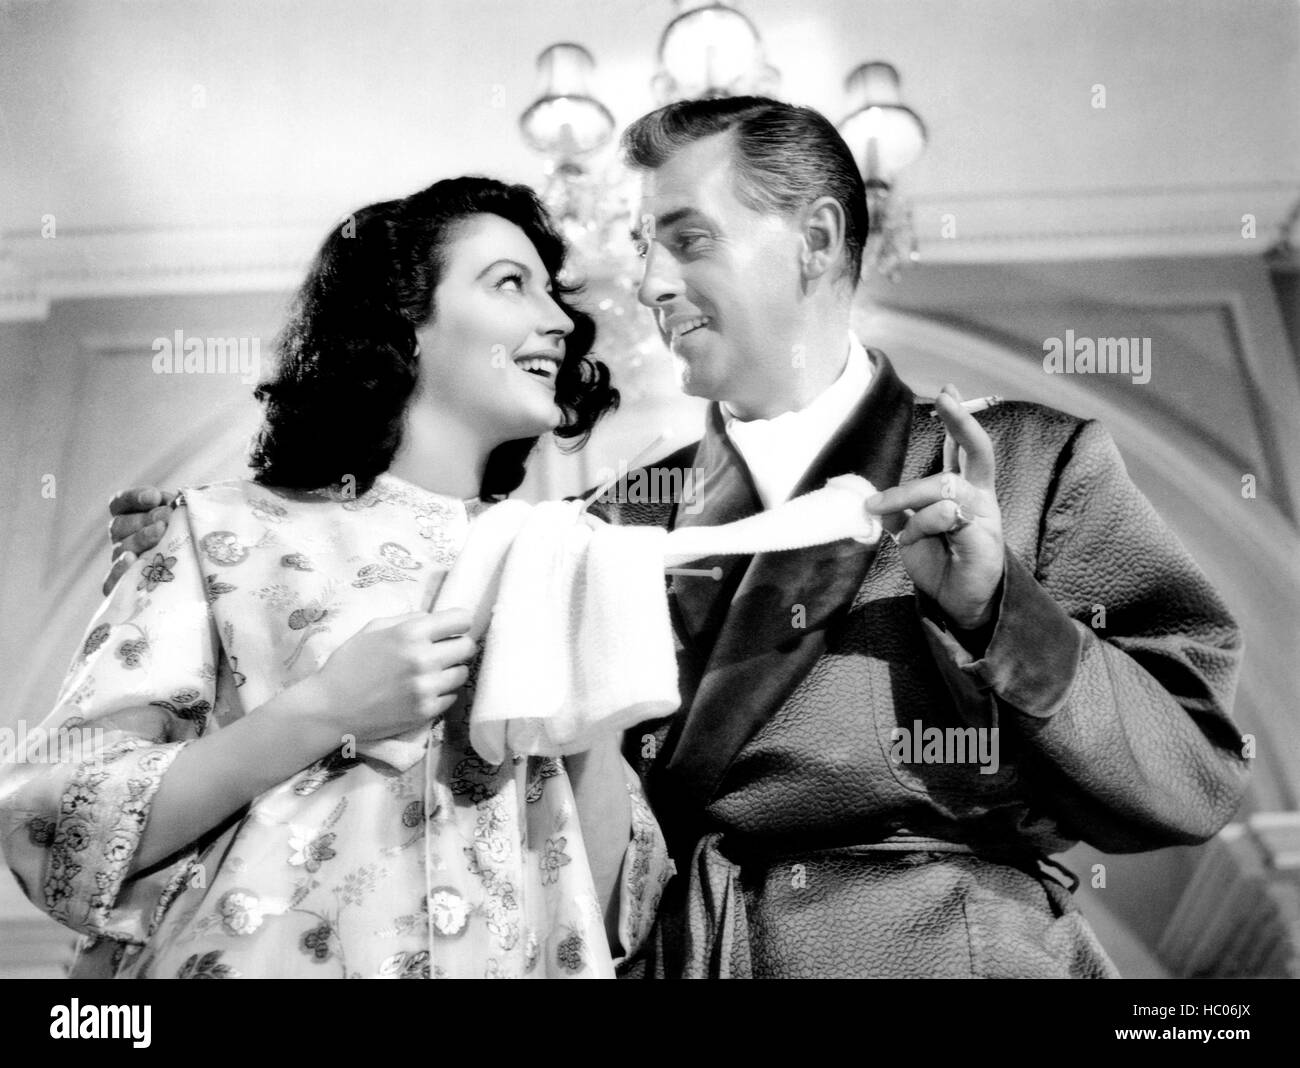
(661, 282)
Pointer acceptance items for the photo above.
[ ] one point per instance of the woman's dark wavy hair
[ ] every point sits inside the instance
(347, 359)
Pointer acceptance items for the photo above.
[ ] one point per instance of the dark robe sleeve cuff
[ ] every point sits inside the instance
(1029, 659)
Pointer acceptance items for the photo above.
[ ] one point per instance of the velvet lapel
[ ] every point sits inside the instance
(725, 492)
(761, 652)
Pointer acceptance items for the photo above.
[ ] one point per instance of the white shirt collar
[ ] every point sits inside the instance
(779, 451)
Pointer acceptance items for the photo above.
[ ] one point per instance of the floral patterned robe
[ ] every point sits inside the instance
(454, 867)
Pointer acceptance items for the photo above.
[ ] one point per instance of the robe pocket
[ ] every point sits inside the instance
(973, 769)
(1023, 927)
(930, 746)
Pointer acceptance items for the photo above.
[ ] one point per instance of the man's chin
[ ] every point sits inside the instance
(693, 382)
(690, 381)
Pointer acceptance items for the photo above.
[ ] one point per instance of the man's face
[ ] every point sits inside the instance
(723, 281)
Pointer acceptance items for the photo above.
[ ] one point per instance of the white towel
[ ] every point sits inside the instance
(580, 643)
(832, 513)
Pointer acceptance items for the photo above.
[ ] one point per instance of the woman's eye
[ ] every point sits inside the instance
(516, 281)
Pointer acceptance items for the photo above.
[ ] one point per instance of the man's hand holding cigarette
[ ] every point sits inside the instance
(948, 526)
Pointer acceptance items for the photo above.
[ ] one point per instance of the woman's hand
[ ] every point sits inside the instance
(393, 675)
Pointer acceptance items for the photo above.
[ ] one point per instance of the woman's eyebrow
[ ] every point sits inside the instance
(497, 263)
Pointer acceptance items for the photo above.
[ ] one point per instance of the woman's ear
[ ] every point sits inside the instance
(823, 237)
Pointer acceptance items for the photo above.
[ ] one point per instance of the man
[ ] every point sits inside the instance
(879, 746)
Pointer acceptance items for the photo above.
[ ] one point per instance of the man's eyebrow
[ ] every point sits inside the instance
(523, 269)
(668, 219)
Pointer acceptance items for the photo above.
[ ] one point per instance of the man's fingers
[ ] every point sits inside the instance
(123, 526)
(968, 435)
(140, 499)
(921, 494)
(141, 541)
(120, 567)
(136, 499)
(951, 454)
(938, 518)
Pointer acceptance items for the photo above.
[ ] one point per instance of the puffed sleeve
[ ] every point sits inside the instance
(75, 802)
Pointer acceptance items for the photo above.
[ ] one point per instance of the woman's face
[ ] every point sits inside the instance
(490, 353)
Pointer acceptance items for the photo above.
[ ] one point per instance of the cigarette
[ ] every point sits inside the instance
(972, 406)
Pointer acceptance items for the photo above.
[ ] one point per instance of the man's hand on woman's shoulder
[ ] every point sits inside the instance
(140, 516)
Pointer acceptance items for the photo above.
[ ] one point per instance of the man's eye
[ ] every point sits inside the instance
(692, 242)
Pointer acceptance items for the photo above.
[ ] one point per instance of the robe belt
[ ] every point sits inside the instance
(717, 923)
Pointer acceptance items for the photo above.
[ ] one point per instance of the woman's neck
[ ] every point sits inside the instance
(442, 455)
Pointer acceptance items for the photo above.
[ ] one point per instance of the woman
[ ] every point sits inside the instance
(232, 818)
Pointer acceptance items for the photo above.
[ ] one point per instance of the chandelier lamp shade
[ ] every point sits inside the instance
(566, 123)
(884, 135)
(711, 50)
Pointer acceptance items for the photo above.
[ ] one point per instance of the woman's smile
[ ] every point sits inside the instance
(545, 366)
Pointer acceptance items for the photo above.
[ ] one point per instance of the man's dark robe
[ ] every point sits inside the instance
(808, 843)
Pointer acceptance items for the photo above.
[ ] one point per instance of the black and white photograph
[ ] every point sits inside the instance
(651, 489)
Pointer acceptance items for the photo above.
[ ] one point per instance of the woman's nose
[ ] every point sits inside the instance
(556, 323)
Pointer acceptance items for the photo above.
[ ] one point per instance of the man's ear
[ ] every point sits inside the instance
(823, 238)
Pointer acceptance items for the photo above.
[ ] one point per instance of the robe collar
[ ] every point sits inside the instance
(744, 631)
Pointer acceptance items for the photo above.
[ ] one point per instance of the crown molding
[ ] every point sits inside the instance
(1027, 226)
(1005, 227)
(36, 271)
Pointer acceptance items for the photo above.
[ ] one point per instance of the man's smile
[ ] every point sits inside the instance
(679, 328)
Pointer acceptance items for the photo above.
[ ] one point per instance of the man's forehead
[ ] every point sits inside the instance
(697, 177)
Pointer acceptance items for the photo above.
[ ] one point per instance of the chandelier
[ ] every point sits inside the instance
(709, 49)
(885, 137)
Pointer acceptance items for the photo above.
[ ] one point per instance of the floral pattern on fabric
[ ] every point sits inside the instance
(157, 571)
(350, 869)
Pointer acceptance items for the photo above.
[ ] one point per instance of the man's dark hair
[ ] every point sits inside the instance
(785, 157)
(347, 359)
